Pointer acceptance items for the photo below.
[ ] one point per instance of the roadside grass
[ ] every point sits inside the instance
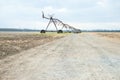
(14, 42)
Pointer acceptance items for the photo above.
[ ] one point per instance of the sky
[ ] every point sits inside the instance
(82, 14)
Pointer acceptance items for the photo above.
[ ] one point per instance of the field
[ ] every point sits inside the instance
(113, 36)
(15, 42)
(84, 56)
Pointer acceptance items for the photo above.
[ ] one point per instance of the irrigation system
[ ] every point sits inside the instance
(57, 23)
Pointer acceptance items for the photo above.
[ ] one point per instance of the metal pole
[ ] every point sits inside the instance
(54, 24)
(48, 24)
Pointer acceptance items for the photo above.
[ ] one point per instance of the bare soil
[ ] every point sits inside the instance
(15, 42)
(113, 36)
(85, 56)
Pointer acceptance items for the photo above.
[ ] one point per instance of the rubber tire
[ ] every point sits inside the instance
(42, 31)
(59, 31)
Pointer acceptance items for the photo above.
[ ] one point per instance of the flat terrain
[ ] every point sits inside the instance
(113, 36)
(15, 42)
(85, 56)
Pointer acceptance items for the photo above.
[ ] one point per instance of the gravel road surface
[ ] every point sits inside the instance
(74, 57)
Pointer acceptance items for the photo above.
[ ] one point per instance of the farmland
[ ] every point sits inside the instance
(113, 36)
(84, 56)
(15, 42)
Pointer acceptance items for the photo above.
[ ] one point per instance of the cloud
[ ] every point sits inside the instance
(50, 9)
(95, 26)
(28, 12)
(103, 3)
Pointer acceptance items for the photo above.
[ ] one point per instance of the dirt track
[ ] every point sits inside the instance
(74, 57)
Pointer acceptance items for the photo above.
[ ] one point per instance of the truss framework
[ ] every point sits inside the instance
(58, 22)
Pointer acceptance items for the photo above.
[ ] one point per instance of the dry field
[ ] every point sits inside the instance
(113, 36)
(15, 42)
(85, 56)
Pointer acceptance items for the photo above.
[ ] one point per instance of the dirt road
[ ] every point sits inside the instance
(74, 57)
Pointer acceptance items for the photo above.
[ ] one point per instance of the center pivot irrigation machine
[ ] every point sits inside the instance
(58, 22)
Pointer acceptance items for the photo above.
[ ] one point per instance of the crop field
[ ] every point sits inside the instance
(15, 42)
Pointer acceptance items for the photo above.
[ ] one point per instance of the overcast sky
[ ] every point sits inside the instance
(83, 14)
